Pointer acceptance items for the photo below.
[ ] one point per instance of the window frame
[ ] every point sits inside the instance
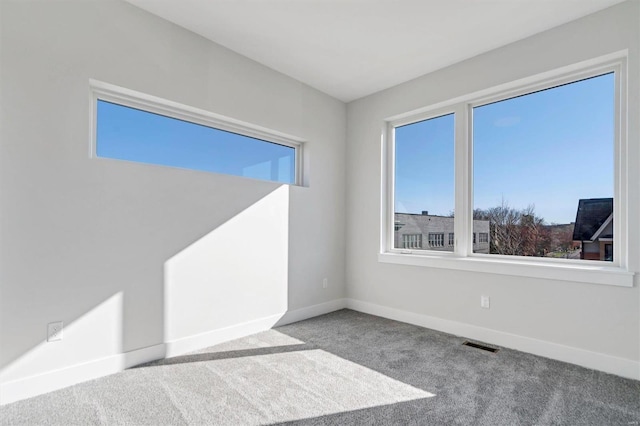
(387, 243)
(148, 103)
(463, 257)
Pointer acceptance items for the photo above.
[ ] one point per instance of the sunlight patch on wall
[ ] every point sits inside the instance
(236, 273)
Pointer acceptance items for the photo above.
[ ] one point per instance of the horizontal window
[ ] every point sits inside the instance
(148, 133)
(536, 178)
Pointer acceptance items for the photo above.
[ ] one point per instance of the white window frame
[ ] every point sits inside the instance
(463, 258)
(388, 211)
(130, 98)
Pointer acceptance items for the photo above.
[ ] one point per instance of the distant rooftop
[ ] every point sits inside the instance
(424, 213)
(592, 214)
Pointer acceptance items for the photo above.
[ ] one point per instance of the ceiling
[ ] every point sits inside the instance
(352, 48)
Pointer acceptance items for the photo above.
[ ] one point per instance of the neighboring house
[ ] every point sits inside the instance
(594, 228)
(429, 232)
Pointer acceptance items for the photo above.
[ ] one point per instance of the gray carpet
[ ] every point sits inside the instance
(342, 368)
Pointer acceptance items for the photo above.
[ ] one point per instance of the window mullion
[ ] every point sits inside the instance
(620, 255)
(463, 164)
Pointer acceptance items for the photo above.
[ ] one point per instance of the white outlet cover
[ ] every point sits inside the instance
(485, 302)
(54, 331)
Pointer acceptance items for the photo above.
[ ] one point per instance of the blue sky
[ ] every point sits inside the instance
(424, 166)
(548, 149)
(129, 134)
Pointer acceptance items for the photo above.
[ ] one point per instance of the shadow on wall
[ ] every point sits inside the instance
(236, 273)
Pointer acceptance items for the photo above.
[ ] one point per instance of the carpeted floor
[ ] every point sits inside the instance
(344, 368)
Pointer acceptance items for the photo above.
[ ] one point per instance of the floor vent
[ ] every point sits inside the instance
(480, 346)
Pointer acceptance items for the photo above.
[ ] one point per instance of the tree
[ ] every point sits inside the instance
(515, 232)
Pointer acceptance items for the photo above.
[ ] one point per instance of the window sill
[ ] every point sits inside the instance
(606, 275)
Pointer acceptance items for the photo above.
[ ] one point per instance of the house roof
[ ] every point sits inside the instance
(591, 216)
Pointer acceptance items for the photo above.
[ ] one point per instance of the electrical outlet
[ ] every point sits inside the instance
(325, 283)
(485, 302)
(54, 331)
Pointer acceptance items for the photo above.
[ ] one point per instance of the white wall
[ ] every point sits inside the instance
(110, 247)
(129, 255)
(594, 325)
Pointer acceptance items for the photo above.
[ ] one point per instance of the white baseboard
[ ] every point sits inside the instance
(140, 356)
(53, 380)
(221, 335)
(214, 337)
(594, 360)
(312, 311)
(58, 379)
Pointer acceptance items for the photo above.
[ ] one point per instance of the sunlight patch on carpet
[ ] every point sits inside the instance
(290, 386)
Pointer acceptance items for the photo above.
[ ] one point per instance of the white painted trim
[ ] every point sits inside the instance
(53, 380)
(57, 379)
(210, 338)
(601, 229)
(312, 311)
(214, 337)
(594, 360)
(140, 356)
(605, 275)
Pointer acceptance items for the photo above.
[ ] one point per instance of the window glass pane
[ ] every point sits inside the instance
(126, 133)
(543, 172)
(424, 186)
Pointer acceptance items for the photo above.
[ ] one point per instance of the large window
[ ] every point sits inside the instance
(536, 159)
(135, 129)
(539, 176)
